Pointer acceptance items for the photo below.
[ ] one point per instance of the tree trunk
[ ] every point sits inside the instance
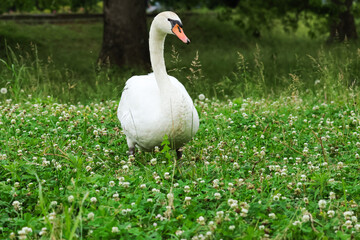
(342, 25)
(125, 38)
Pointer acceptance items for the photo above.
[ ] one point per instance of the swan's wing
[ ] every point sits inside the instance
(138, 100)
(138, 109)
(189, 102)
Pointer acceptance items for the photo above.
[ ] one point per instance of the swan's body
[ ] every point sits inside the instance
(156, 105)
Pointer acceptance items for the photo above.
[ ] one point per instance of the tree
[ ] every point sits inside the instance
(257, 14)
(125, 37)
(342, 22)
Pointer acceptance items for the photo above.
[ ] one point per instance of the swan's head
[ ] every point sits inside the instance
(169, 23)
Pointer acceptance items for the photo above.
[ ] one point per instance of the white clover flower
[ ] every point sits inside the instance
(22, 235)
(45, 163)
(236, 165)
(142, 186)
(27, 230)
(305, 218)
(167, 175)
(348, 214)
(178, 232)
(90, 215)
(357, 227)
(111, 183)
(322, 203)
(244, 212)
(116, 196)
(306, 150)
(12, 235)
(131, 158)
(303, 177)
(212, 225)
(332, 195)
(276, 197)
(53, 203)
(217, 195)
(354, 219)
(231, 227)
(186, 189)
(93, 200)
(340, 165)
(58, 166)
(234, 205)
(52, 216)
(153, 161)
(348, 224)
(232, 202)
(16, 205)
(71, 198)
(216, 183)
(43, 231)
(331, 213)
(156, 149)
(3, 90)
(187, 200)
(155, 190)
(272, 215)
(201, 220)
(296, 223)
(201, 97)
(23, 232)
(261, 227)
(219, 214)
(115, 230)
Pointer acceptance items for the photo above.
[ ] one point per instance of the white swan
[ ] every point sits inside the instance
(157, 104)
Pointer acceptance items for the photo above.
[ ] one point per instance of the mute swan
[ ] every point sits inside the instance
(155, 105)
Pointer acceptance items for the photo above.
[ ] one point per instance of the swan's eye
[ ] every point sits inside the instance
(174, 22)
(179, 29)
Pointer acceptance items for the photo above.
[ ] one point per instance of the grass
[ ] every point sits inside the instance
(275, 158)
(228, 59)
(285, 168)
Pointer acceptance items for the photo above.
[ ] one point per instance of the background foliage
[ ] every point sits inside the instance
(30, 5)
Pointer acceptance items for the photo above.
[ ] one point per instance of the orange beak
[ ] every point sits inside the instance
(179, 32)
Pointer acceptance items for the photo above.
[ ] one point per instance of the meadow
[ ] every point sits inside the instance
(276, 155)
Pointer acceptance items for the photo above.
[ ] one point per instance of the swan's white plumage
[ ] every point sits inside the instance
(147, 119)
(156, 105)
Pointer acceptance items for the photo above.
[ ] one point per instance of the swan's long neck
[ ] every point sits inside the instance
(156, 45)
